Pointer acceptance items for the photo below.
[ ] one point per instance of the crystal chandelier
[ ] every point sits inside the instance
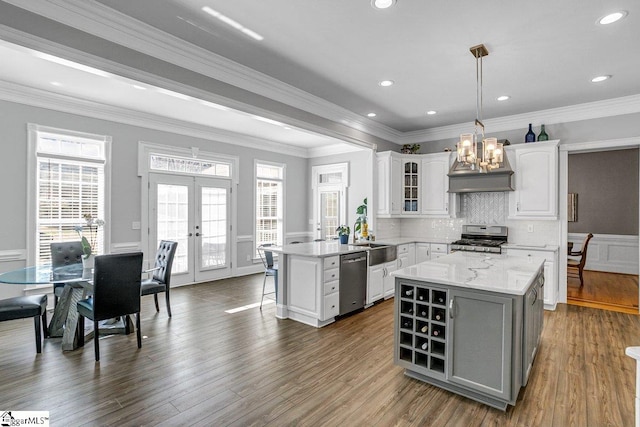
(491, 156)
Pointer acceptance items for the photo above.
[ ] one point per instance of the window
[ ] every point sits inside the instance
(69, 178)
(269, 203)
(329, 188)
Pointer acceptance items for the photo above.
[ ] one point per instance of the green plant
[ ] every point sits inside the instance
(343, 230)
(93, 224)
(361, 211)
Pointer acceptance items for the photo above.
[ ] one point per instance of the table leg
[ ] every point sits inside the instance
(56, 326)
(69, 336)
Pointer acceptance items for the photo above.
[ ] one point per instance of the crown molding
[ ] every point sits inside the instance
(43, 99)
(104, 22)
(587, 111)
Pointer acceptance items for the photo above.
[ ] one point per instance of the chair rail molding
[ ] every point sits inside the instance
(13, 255)
(609, 252)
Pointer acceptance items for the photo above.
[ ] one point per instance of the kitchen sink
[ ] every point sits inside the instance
(380, 253)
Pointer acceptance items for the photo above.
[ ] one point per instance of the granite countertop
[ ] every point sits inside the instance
(328, 248)
(531, 247)
(317, 249)
(487, 272)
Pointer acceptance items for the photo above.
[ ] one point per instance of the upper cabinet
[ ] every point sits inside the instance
(414, 185)
(436, 199)
(536, 180)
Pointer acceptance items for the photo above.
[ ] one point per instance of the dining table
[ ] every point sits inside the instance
(78, 285)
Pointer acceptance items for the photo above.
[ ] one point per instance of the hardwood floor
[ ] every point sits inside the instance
(205, 367)
(609, 291)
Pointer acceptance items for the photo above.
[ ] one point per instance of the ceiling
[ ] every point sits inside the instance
(542, 54)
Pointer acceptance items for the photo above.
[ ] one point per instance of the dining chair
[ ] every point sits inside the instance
(64, 253)
(23, 307)
(116, 292)
(161, 278)
(270, 269)
(576, 266)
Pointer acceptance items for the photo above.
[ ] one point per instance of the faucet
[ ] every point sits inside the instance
(354, 231)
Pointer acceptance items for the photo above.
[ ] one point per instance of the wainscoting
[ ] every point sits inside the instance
(609, 252)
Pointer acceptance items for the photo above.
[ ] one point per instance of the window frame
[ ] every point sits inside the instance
(33, 133)
(341, 187)
(282, 181)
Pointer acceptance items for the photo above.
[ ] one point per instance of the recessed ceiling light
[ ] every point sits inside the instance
(139, 87)
(612, 17)
(431, 112)
(232, 23)
(371, 114)
(386, 83)
(600, 79)
(382, 4)
(56, 83)
(503, 97)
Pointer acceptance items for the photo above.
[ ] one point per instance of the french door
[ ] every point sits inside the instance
(195, 212)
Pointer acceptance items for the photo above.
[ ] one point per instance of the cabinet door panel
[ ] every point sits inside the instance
(375, 283)
(480, 342)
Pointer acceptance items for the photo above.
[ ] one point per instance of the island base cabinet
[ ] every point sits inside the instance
(469, 342)
(481, 334)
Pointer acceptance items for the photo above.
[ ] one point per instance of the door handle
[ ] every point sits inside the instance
(451, 308)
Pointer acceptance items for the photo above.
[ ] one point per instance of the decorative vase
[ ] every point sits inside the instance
(88, 261)
(530, 136)
(543, 135)
(344, 239)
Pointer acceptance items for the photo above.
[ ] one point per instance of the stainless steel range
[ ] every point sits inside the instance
(481, 238)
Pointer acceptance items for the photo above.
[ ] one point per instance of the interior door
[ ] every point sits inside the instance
(195, 212)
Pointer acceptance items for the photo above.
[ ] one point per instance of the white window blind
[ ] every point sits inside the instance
(269, 204)
(70, 184)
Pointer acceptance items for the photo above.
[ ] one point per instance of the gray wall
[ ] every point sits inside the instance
(607, 188)
(126, 192)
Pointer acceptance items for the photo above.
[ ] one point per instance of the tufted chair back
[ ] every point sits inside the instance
(65, 253)
(164, 260)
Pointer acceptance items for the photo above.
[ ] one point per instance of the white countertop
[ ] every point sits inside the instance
(488, 272)
(317, 249)
(525, 246)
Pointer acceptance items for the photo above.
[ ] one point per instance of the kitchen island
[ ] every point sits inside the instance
(470, 323)
(308, 288)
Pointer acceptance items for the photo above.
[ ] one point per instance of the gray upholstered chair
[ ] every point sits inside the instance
(116, 292)
(27, 306)
(161, 278)
(64, 253)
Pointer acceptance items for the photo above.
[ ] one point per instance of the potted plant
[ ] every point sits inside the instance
(361, 226)
(88, 246)
(343, 233)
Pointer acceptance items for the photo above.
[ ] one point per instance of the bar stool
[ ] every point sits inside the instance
(270, 269)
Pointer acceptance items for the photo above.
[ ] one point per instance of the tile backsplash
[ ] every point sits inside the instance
(475, 208)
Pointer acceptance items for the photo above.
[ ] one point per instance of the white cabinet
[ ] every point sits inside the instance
(435, 198)
(389, 282)
(536, 180)
(550, 272)
(389, 185)
(423, 252)
(406, 255)
(414, 185)
(375, 283)
(315, 297)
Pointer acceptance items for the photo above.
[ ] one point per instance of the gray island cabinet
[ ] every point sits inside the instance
(470, 323)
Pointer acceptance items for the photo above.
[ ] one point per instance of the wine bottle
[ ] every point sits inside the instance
(543, 135)
(436, 332)
(438, 316)
(409, 292)
(530, 136)
(425, 345)
(424, 329)
(423, 313)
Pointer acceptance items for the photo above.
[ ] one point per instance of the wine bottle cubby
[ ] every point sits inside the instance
(421, 316)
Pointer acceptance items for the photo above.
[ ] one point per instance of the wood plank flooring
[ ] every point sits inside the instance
(609, 291)
(205, 367)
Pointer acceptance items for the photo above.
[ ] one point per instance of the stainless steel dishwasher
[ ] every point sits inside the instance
(353, 281)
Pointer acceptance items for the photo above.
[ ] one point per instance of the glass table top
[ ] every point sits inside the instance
(44, 274)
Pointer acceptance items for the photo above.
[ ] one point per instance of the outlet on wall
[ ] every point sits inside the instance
(530, 228)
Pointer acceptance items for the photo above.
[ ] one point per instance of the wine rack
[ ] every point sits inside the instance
(421, 322)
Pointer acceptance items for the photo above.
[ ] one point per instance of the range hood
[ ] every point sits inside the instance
(464, 179)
